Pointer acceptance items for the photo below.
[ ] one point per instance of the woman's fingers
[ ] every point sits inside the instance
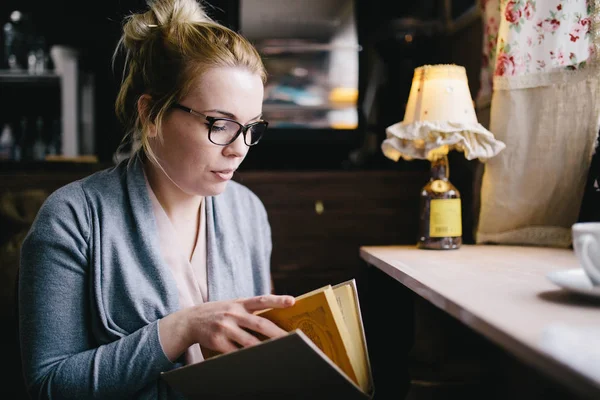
(262, 326)
(248, 331)
(268, 301)
(230, 336)
(243, 337)
(227, 325)
(223, 345)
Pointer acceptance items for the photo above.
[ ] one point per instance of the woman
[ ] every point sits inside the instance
(160, 260)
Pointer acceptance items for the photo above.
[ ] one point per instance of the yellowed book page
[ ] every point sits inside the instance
(313, 292)
(318, 316)
(358, 353)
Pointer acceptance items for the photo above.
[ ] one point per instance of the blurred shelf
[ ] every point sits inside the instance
(84, 158)
(23, 77)
(45, 166)
(316, 136)
(295, 107)
(285, 48)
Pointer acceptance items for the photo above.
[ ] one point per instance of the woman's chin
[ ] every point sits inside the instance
(213, 189)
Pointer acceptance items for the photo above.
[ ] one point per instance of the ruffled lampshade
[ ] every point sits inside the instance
(439, 117)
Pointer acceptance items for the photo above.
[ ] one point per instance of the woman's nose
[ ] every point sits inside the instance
(237, 148)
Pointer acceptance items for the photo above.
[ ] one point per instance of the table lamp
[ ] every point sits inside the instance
(439, 117)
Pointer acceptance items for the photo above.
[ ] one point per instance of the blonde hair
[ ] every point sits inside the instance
(167, 48)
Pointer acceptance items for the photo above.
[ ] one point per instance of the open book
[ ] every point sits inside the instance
(324, 355)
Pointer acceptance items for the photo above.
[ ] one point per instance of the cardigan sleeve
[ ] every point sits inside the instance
(61, 358)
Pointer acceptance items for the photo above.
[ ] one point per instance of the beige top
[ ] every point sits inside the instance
(190, 275)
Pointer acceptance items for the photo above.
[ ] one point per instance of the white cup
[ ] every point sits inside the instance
(586, 243)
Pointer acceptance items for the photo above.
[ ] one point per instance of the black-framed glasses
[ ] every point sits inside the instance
(224, 131)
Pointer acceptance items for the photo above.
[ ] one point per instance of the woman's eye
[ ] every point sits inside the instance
(219, 127)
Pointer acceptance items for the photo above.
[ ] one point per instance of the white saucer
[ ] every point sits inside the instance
(574, 280)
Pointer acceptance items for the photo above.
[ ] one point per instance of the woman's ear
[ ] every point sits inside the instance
(144, 104)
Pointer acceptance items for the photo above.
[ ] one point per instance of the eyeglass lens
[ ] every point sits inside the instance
(224, 131)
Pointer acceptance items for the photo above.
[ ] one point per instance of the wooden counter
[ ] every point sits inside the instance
(503, 293)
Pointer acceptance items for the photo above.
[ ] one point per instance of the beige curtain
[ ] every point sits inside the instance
(540, 76)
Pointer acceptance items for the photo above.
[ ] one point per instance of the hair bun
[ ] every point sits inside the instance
(174, 12)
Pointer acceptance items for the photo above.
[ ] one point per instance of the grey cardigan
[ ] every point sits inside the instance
(93, 283)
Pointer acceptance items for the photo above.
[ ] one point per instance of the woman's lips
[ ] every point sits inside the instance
(224, 175)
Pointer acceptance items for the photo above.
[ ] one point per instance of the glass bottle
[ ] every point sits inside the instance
(16, 41)
(440, 225)
(7, 142)
(38, 148)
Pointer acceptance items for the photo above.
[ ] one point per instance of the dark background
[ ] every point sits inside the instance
(94, 29)
(386, 66)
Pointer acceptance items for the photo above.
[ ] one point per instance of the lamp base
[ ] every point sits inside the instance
(440, 221)
(440, 243)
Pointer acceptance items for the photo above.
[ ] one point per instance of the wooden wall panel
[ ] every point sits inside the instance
(319, 219)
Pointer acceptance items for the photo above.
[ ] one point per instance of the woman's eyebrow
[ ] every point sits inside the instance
(228, 114)
(225, 113)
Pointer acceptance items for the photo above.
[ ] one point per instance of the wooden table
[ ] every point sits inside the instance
(501, 292)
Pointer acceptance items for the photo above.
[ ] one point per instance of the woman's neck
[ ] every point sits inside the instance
(178, 205)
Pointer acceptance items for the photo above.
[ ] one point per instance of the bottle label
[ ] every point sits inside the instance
(445, 219)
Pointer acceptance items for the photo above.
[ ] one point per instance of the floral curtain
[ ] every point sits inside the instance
(539, 75)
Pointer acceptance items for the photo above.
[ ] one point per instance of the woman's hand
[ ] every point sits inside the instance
(221, 326)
